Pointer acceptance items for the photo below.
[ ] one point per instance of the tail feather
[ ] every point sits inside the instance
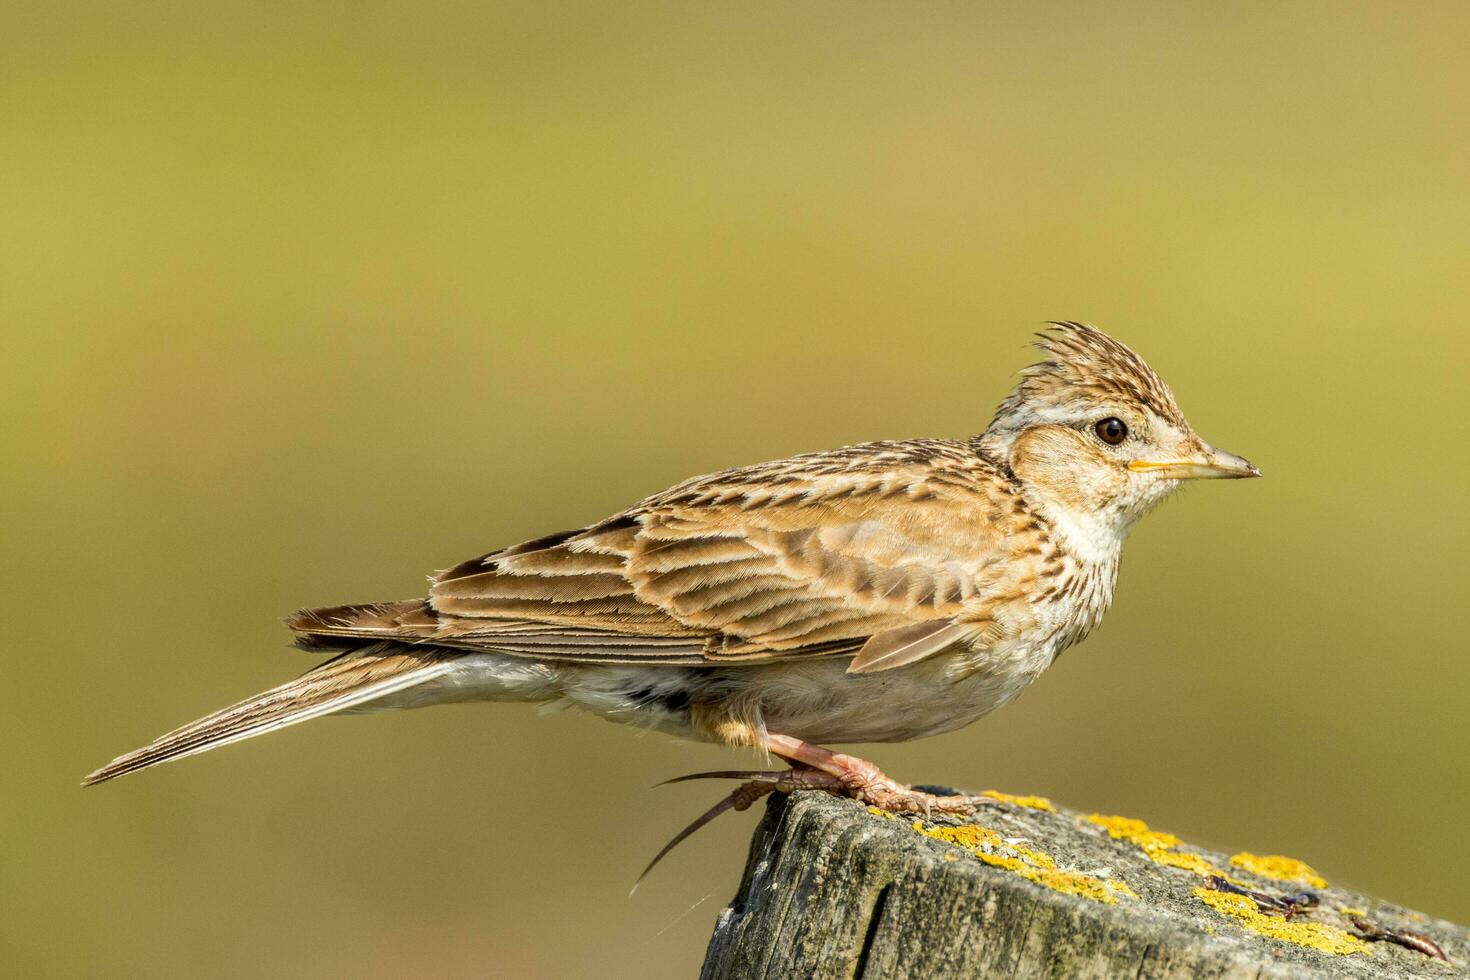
(347, 681)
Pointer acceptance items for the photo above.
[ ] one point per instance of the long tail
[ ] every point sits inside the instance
(347, 681)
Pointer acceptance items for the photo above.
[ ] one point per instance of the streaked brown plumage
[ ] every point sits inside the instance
(782, 560)
(875, 593)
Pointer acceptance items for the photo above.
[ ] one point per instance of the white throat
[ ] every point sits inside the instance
(1093, 538)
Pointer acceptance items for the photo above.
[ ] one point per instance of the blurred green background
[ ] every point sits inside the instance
(303, 301)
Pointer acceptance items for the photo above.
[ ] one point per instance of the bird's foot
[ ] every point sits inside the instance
(816, 768)
(871, 786)
(865, 783)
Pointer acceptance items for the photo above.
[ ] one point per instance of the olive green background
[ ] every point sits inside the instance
(301, 302)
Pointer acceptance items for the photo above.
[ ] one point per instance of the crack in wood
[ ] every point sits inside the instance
(875, 919)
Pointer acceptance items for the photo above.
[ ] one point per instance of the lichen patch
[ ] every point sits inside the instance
(1035, 866)
(1313, 935)
(1031, 802)
(1159, 847)
(1279, 868)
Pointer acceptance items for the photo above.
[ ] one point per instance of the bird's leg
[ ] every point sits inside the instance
(816, 768)
(865, 782)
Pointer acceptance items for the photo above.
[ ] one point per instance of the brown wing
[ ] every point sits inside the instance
(807, 556)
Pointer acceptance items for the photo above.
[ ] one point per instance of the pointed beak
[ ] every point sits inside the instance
(1212, 464)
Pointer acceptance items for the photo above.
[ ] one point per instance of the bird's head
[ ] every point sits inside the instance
(1097, 434)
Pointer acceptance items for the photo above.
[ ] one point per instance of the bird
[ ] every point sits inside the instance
(879, 592)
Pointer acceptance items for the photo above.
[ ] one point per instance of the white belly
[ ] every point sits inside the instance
(821, 702)
(816, 700)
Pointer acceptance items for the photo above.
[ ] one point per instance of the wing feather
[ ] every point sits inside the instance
(883, 544)
(906, 645)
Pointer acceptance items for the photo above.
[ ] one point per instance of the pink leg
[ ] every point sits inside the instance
(816, 768)
(865, 782)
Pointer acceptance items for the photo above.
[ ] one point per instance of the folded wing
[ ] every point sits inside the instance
(810, 556)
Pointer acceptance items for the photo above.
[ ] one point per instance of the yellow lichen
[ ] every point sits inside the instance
(879, 812)
(1159, 847)
(1034, 802)
(1121, 887)
(1033, 865)
(1162, 849)
(1313, 935)
(1280, 868)
(1345, 910)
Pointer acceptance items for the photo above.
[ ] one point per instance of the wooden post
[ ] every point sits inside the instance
(835, 890)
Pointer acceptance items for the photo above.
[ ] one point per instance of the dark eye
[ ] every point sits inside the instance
(1111, 431)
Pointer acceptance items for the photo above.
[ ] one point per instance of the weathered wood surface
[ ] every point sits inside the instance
(833, 890)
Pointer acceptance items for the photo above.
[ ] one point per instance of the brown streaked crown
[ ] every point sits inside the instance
(1085, 366)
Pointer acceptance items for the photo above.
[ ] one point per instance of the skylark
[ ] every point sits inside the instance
(876, 593)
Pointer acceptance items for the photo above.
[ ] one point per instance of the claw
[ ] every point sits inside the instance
(740, 799)
(756, 785)
(755, 775)
(815, 768)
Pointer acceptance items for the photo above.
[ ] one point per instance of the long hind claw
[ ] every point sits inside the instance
(758, 784)
(754, 775)
(864, 785)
